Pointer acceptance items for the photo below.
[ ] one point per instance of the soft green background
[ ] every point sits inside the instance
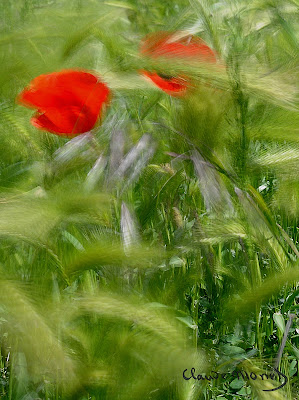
(167, 241)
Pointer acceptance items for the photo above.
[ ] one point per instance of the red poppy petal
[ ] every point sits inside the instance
(153, 41)
(164, 44)
(97, 96)
(176, 46)
(57, 89)
(41, 121)
(67, 121)
(68, 102)
(174, 86)
(50, 90)
(200, 52)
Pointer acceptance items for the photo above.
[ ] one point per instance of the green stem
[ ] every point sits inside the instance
(243, 138)
(10, 377)
(241, 102)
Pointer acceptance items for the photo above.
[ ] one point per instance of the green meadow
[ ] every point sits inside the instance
(154, 257)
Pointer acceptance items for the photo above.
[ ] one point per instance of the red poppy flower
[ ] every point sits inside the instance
(68, 102)
(175, 46)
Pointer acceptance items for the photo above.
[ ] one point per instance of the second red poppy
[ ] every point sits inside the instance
(175, 46)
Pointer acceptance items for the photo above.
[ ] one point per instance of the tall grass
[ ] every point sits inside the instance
(168, 239)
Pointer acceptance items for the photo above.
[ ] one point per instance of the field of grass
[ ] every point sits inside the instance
(166, 238)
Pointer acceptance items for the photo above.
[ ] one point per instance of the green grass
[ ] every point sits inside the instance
(119, 272)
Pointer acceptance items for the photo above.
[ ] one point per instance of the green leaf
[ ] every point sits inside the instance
(237, 384)
(279, 321)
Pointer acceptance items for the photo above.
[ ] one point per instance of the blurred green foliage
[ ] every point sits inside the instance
(168, 239)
